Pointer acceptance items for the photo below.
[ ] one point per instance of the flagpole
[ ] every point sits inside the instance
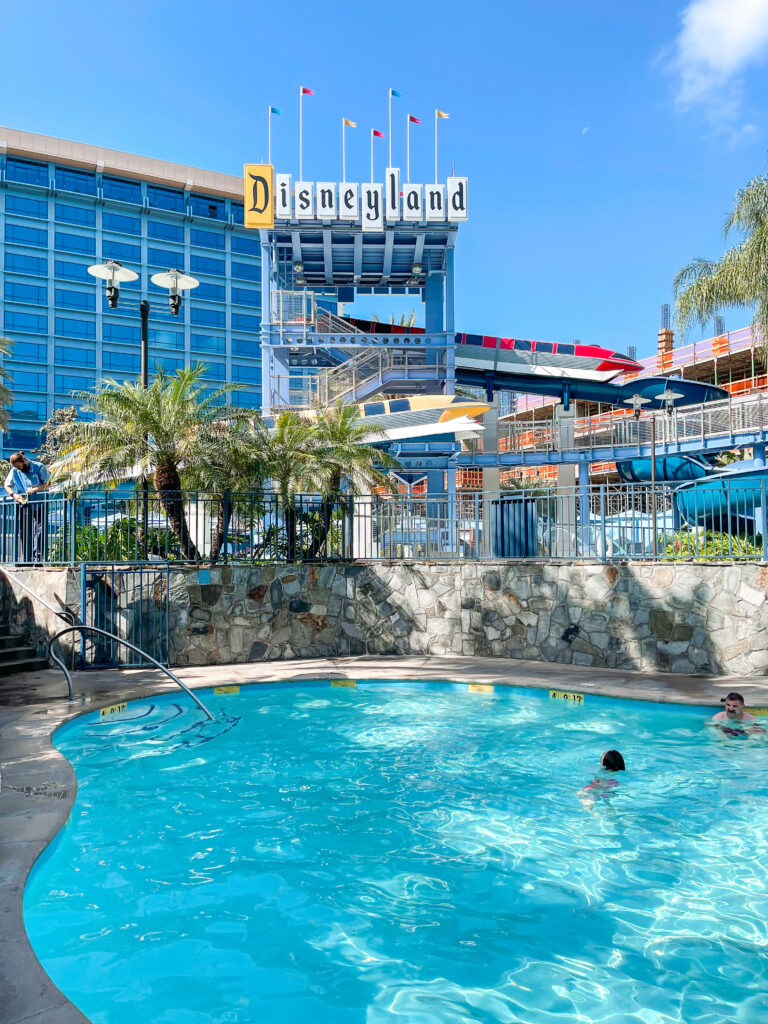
(269, 135)
(343, 153)
(435, 178)
(408, 148)
(371, 155)
(301, 132)
(390, 128)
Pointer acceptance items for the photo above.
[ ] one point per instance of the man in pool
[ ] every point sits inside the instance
(735, 720)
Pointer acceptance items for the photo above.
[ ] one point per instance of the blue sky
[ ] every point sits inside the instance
(603, 146)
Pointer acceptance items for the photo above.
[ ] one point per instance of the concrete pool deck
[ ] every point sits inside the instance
(38, 786)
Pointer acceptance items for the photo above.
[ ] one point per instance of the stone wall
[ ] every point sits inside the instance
(709, 619)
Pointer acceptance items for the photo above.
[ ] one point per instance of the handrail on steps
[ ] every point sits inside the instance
(103, 632)
(74, 627)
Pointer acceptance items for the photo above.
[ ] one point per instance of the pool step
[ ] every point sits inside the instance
(16, 656)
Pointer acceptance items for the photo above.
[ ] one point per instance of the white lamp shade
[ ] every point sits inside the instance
(174, 280)
(112, 272)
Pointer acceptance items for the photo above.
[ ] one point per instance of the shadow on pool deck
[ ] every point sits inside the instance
(37, 784)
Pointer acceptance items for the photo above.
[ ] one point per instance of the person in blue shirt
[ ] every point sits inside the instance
(25, 484)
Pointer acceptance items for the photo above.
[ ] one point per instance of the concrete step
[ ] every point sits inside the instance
(30, 664)
(21, 651)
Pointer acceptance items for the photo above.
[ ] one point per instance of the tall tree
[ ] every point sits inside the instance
(152, 432)
(347, 462)
(5, 395)
(740, 276)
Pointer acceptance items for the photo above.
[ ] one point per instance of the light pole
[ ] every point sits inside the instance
(113, 272)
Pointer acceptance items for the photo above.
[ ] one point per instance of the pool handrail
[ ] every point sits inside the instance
(103, 632)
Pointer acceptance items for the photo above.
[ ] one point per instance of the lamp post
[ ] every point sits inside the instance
(113, 272)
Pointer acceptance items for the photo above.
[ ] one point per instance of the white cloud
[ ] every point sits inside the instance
(718, 41)
(585, 130)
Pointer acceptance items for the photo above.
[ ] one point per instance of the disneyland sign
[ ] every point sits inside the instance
(271, 197)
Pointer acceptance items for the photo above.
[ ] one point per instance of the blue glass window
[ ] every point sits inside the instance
(31, 323)
(125, 225)
(36, 295)
(81, 215)
(75, 328)
(246, 399)
(76, 243)
(237, 213)
(246, 297)
(76, 181)
(126, 362)
(75, 300)
(208, 343)
(243, 322)
(26, 380)
(120, 251)
(125, 191)
(165, 198)
(207, 265)
(249, 246)
(247, 271)
(30, 352)
(22, 409)
(207, 239)
(207, 317)
(75, 356)
(214, 292)
(169, 364)
(168, 232)
(246, 374)
(215, 371)
(246, 347)
(24, 439)
(18, 263)
(68, 382)
(22, 235)
(165, 339)
(121, 332)
(28, 171)
(72, 271)
(166, 258)
(27, 207)
(207, 206)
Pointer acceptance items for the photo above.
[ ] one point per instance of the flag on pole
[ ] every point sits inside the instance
(414, 120)
(350, 124)
(345, 123)
(379, 135)
(274, 110)
(441, 113)
(311, 92)
(394, 92)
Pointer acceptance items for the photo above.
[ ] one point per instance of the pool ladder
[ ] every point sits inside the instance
(74, 627)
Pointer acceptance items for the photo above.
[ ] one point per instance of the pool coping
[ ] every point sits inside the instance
(38, 785)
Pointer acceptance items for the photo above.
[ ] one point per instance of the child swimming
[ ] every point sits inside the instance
(603, 787)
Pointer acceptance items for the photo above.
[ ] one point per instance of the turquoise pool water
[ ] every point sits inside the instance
(396, 853)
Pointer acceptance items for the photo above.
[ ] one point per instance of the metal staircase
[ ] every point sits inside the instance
(389, 370)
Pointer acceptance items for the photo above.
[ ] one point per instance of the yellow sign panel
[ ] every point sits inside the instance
(480, 687)
(113, 709)
(574, 698)
(344, 682)
(259, 194)
(226, 689)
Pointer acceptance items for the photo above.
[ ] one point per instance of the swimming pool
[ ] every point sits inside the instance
(411, 852)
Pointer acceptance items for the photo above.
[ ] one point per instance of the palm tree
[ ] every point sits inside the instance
(228, 463)
(141, 432)
(740, 276)
(346, 462)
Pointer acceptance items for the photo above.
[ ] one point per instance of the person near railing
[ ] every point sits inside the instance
(25, 483)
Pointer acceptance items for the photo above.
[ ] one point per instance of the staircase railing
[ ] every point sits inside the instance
(74, 628)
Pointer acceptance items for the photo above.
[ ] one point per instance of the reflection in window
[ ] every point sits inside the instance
(28, 207)
(30, 323)
(125, 225)
(72, 180)
(165, 198)
(18, 263)
(124, 191)
(82, 215)
(75, 243)
(36, 295)
(168, 232)
(22, 235)
(29, 171)
(207, 206)
(75, 328)
(66, 356)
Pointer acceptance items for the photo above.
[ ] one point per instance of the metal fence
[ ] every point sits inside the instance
(130, 602)
(713, 518)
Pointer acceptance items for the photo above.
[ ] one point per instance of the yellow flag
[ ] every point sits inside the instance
(350, 124)
(441, 113)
